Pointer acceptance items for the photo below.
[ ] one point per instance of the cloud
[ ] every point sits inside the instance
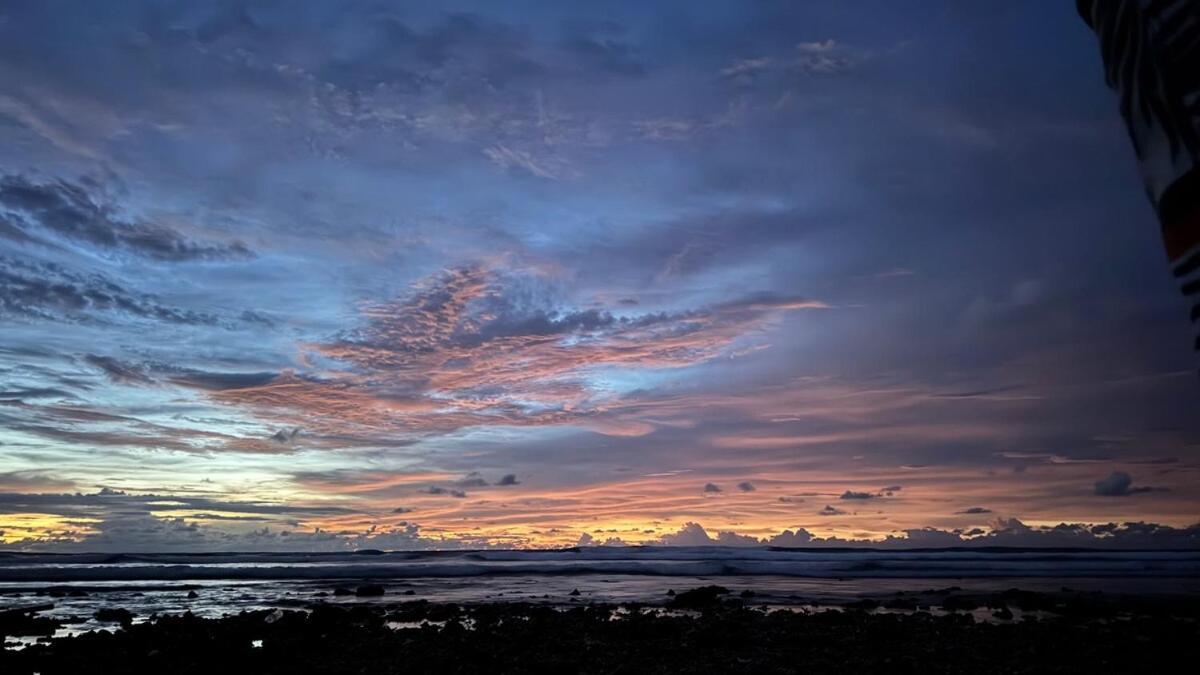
(788, 538)
(70, 211)
(113, 520)
(849, 494)
(729, 538)
(546, 166)
(831, 511)
(586, 539)
(808, 59)
(116, 520)
(474, 346)
(605, 47)
(746, 67)
(1119, 484)
(508, 479)
(438, 490)
(217, 382)
(817, 47)
(119, 371)
(974, 510)
(693, 534)
(1012, 532)
(44, 290)
(285, 436)
(26, 481)
(746, 486)
(712, 487)
(22, 393)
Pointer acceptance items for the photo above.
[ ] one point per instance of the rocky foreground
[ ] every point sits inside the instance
(703, 630)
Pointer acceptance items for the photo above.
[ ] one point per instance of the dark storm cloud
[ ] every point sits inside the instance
(1119, 484)
(712, 487)
(850, 494)
(438, 490)
(74, 212)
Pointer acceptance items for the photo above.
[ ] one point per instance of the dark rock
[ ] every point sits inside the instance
(955, 603)
(22, 621)
(902, 603)
(117, 614)
(369, 591)
(192, 595)
(866, 604)
(1004, 614)
(1152, 636)
(340, 590)
(698, 598)
(574, 592)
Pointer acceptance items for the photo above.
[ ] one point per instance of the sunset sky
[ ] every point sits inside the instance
(326, 275)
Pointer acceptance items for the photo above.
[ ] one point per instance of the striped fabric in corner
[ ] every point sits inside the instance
(1151, 52)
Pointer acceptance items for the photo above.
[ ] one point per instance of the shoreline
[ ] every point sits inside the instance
(706, 629)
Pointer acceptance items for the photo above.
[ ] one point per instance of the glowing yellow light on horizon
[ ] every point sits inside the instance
(17, 527)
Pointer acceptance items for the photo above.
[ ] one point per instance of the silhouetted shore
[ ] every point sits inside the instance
(703, 630)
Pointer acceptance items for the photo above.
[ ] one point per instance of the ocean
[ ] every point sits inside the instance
(215, 584)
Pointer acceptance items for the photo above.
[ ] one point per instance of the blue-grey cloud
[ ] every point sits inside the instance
(71, 211)
(1119, 484)
(50, 291)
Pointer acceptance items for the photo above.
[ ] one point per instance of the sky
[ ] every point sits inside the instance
(327, 275)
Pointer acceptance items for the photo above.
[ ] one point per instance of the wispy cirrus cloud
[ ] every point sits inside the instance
(464, 348)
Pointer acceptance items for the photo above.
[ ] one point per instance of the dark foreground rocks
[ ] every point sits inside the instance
(512, 638)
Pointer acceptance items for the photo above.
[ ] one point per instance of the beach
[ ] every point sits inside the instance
(630, 609)
(700, 630)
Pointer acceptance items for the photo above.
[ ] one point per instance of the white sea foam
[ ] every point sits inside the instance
(646, 561)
